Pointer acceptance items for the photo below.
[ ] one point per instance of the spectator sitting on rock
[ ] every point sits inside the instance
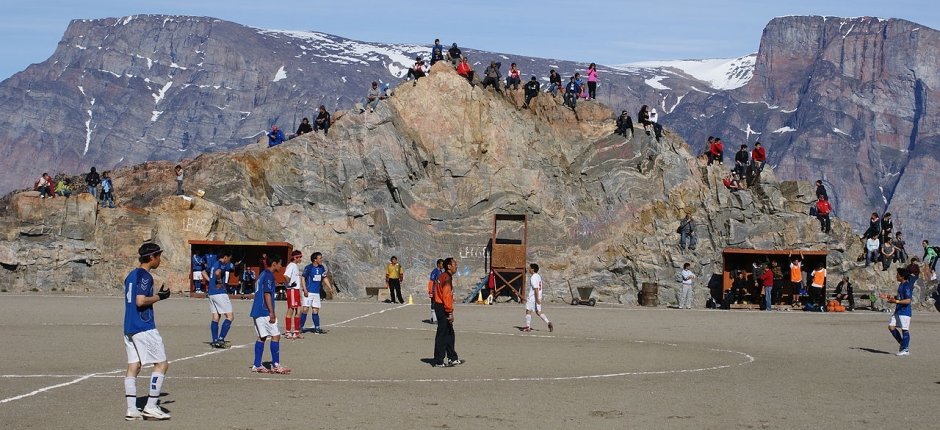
(454, 55)
(759, 158)
(571, 93)
(275, 137)
(514, 77)
(624, 122)
(64, 187)
(554, 82)
(436, 56)
(584, 92)
(464, 69)
(717, 152)
(887, 254)
(531, 90)
(302, 129)
(372, 98)
(900, 255)
(741, 159)
(385, 91)
(873, 249)
(643, 117)
(578, 80)
(492, 75)
(731, 182)
(322, 122)
(44, 186)
(417, 71)
(687, 232)
(437, 47)
(654, 122)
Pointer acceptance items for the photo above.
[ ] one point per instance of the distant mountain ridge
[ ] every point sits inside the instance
(121, 91)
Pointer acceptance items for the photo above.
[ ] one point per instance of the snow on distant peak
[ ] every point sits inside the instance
(719, 73)
(281, 74)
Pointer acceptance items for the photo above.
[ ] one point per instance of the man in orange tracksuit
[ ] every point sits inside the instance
(444, 308)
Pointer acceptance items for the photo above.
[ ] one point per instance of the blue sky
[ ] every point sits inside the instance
(601, 31)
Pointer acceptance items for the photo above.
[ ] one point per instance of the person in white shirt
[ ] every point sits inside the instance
(873, 247)
(292, 275)
(533, 302)
(685, 296)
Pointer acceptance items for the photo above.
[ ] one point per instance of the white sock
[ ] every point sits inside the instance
(544, 318)
(156, 385)
(528, 320)
(130, 391)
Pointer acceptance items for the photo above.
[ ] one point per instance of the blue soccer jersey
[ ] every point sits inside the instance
(264, 285)
(435, 273)
(313, 276)
(198, 263)
(905, 291)
(137, 319)
(214, 281)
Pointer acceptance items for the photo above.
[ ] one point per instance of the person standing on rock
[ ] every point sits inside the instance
(394, 276)
(533, 302)
(142, 341)
(685, 296)
(219, 302)
(687, 232)
(107, 191)
(92, 179)
(592, 81)
(902, 311)
(823, 209)
(445, 338)
(323, 121)
(179, 179)
(821, 189)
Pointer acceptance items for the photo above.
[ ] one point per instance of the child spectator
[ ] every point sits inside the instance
(64, 188)
(107, 191)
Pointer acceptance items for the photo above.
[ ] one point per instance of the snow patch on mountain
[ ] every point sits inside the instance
(719, 73)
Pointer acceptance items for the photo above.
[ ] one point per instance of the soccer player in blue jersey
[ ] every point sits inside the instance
(199, 271)
(262, 311)
(142, 341)
(219, 303)
(312, 280)
(432, 283)
(902, 311)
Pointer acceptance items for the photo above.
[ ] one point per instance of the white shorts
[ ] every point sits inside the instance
(145, 347)
(531, 306)
(311, 301)
(197, 275)
(220, 304)
(265, 328)
(902, 321)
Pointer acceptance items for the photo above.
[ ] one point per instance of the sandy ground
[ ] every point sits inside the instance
(603, 367)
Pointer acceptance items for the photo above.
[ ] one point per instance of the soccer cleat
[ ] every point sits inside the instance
(456, 362)
(551, 327)
(260, 369)
(526, 329)
(155, 412)
(319, 331)
(133, 414)
(443, 365)
(276, 368)
(903, 352)
(289, 336)
(299, 336)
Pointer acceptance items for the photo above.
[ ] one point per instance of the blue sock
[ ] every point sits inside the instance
(316, 320)
(259, 349)
(907, 340)
(303, 321)
(214, 328)
(227, 324)
(275, 352)
(897, 336)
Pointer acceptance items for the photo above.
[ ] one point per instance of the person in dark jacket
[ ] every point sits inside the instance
(92, 179)
(624, 122)
(531, 90)
(454, 55)
(821, 189)
(887, 227)
(741, 160)
(643, 117)
(554, 82)
(322, 122)
(302, 129)
(571, 93)
(492, 76)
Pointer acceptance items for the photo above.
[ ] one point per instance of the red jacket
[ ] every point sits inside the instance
(766, 279)
(716, 148)
(444, 291)
(758, 154)
(823, 207)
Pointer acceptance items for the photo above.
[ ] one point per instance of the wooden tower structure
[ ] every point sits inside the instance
(508, 256)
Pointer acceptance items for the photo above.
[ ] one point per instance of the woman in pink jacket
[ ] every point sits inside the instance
(592, 81)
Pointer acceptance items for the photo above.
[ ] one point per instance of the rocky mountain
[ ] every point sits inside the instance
(421, 178)
(122, 91)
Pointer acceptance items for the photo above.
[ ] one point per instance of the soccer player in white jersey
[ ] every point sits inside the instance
(313, 280)
(142, 341)
(533, 301)
(219, 302)
(292, 275)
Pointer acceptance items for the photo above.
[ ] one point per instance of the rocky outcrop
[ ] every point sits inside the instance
(421, 178)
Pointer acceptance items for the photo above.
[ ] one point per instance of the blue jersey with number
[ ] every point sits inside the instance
(216, 285)
(905, 291)
(138, 319)
(313, 276)
(264, 286)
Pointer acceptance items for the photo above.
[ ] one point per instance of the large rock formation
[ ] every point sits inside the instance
(421, 178)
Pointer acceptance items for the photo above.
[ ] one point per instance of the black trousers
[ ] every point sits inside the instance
(445, 338)
(394, 287)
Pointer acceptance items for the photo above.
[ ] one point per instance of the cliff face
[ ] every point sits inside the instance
(849, 101)
(421, 178)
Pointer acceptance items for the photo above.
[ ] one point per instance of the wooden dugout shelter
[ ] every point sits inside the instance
(249, 254)
(509, 257)
(736, 259)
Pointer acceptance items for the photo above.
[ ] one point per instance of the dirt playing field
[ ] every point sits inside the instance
(603, 367)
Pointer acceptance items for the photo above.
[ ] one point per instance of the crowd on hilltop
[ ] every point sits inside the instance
(63, 186)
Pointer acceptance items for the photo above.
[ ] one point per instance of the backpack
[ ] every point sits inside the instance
(813, 211)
